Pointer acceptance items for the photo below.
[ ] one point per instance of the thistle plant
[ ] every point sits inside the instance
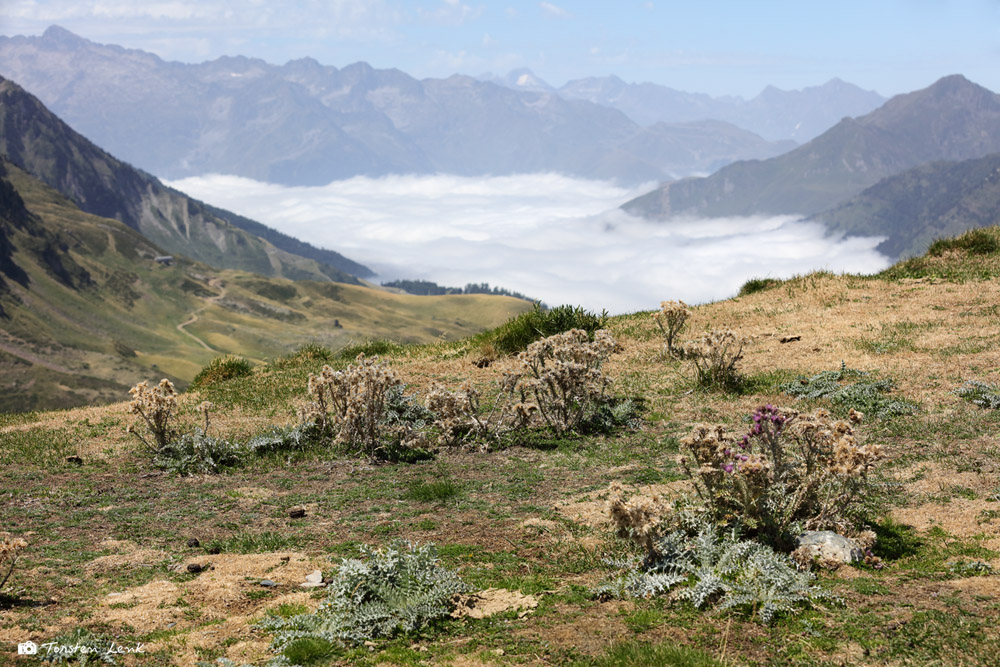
(715, 355)
(460, 416)
(787, 473)
(352, 407)
(708, 566)
(389, 591)
(672, 318)
(10, 549)
(561, 377)
(156, 406)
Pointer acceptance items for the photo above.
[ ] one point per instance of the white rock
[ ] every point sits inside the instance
(314, 580)
(828, 545)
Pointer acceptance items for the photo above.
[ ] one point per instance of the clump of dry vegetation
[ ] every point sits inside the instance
(10, 549)
(789, 472)
(715, 356)
(561, 377)
(352, 407)
(671, 319)
(157, 406)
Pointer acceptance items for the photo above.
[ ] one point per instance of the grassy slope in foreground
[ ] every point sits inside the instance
(62, 346)
(106, 536)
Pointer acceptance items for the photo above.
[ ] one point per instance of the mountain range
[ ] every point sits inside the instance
(37, 141)
(304, 123)
(774, 114)
(953, 119)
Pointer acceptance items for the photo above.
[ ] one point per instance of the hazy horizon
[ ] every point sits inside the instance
(551, 237)
(727, 48)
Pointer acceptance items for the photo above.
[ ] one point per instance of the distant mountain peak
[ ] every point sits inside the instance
(59, 36)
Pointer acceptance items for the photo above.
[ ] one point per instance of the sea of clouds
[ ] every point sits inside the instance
(551, 237)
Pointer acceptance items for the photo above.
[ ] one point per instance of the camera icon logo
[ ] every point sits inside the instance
(27, 648)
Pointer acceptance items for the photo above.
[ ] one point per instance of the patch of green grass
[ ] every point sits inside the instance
(642, 620)
(251, 543)
(755, 285)
(971, 256)
(938, 637)
(869, 587)
(973, 242)
(768, 382)
(895, 540)
(287, 610)
(641, 654)
(42, 447)
(892, 339)
(371, 348)
(309, 651)
(433, 491)
(516, 334)
(222, 369)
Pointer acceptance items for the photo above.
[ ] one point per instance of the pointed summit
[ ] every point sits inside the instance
(58, 36)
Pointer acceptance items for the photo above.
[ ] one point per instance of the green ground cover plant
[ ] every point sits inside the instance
(983, 394)
(394, 590)
(850, 389)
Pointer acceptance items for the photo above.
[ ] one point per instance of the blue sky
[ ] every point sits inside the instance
(718, 47)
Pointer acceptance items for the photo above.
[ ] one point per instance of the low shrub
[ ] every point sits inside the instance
(561, 377)
(516, 334)
(390, 591)
(787, 473)
(755, 285)
(221, 369)
(460, 417)
(973, 242)
(282, 439)
(198, 453)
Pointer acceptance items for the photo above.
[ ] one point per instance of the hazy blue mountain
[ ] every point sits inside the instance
(774, 114)
(953, 119)
(37, 141)
(305, 123)
(932, 201)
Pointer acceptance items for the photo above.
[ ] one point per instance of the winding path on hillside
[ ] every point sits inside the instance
(217, 284)
(32, 358)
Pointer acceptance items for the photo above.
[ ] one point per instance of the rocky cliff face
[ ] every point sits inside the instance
(37, 141)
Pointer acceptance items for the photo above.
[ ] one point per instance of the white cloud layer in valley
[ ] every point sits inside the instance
(555, 238)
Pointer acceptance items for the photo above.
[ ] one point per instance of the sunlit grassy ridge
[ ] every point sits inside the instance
(106, 536)
(98, 338)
